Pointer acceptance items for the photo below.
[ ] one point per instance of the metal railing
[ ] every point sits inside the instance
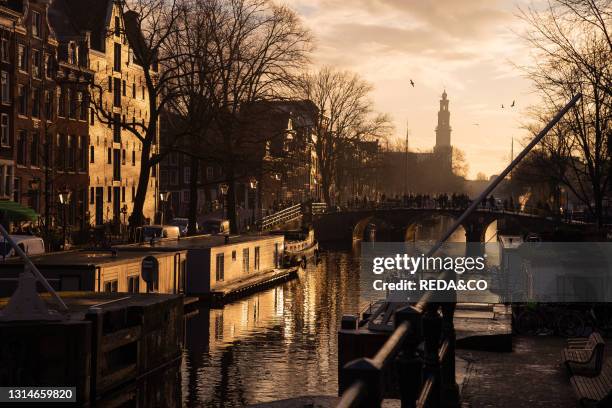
(291, 214)
(281, 217)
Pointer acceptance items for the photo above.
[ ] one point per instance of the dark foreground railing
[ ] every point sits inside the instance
(419, 354)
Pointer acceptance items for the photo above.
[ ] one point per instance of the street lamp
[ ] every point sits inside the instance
(223, 189)
(163, 198)
(64, 199)
(253, 185)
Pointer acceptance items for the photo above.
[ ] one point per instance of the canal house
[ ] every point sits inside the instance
(104, 271)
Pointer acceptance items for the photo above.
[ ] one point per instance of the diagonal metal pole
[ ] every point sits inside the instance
(26, 260)
(503, 174)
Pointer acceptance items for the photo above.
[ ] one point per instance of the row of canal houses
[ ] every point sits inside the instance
(51, 140)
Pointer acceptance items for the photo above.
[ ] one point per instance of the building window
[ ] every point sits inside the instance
(109, 156)
(34, 149)
(22, 57)
(4, 49)
(6, 88)
(111, 286)
(73, 52)
(36, 61)
(245, 260)
(36, 102)
(22, 96)
(110, 84)
(134, 90)
(5, 140)
(82, 101)
(109, 194)
(22, 137)
(36, 24)
(256, 259)
(134, 157)
(174, 177)
(123, 194)
(92, 195)
(220, 267)
(117, 26)
(123, 157)
(133, 193)
(187, 175)
(61, 105)
(210, 174)
(116, 165)
(117, 58)
(17, 189)
(49, 105)
(124, 88)
(72, 104)
(117, 92)
(60, 159)
(233, 256)
(71, 153)
(186, 195)
(133, 284)
(91, 154)
(117, 128)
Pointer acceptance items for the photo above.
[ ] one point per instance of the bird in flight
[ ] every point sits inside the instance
(512, 106)
(476, 124)
(412, 83)
(502, 106)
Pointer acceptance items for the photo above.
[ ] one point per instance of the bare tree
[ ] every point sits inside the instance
(460, 165)
(245, 53)
(345, 116)
(573, 54)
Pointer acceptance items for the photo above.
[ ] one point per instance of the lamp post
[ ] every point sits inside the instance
(253, 186)
(223, 189)
(163, 198)
(64, 199)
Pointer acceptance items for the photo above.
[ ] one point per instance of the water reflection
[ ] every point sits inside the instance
(277, 344)
(280, 343)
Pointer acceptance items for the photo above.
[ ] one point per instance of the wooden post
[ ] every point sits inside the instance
(409, 364)
(432, 331)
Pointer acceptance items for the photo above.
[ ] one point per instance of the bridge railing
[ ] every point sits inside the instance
(420, 354)
(291, 214)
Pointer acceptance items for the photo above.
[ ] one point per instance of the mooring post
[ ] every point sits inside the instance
(409, 363)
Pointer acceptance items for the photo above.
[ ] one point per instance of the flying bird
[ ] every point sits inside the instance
(512, 106)
(412, 83)
(502, 106)
(476, 124)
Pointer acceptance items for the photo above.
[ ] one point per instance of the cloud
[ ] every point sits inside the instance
(465, 46)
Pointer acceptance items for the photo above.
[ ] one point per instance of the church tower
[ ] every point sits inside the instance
(443, 130)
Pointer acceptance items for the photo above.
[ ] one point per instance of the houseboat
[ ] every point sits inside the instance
(301, 247)
(112, 270)
(220, 267)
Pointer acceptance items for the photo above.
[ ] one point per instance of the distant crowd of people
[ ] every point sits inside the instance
(456, 201)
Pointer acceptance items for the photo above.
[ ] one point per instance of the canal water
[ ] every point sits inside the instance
(276, 344)
(280, 343)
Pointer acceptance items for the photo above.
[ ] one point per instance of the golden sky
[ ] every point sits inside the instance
(469, 47)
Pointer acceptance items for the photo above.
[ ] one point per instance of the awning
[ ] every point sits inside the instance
(12, 211)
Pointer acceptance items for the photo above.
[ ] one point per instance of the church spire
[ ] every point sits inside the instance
(443, 130)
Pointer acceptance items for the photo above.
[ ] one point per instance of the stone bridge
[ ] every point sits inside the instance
(400, 224)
